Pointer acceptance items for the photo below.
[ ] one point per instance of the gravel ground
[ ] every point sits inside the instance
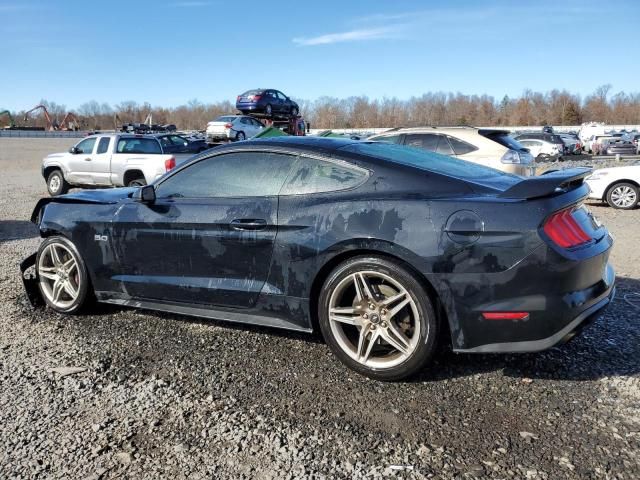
(161, 396)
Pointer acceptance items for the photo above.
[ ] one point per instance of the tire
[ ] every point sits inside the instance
(542, 158)
(240, 136)
(375, 357)
(63, 279)
(137, 182)
(56, 184)
(294, 111)
(268, 110)
(623, 196)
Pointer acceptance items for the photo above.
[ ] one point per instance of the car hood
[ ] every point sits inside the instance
(103, 197)
(55, 155)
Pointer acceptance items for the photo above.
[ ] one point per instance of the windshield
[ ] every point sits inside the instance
(423, 159)
(225, 119)
(251, 92)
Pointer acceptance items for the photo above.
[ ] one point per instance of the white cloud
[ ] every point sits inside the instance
(350, 36)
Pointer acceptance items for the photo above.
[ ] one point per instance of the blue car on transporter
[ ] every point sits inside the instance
(266, 101)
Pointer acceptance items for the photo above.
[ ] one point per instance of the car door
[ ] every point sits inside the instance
(79, 164)
(208, 238)
(101, 161)
(426, 141)
(255, 126)
(283, 104)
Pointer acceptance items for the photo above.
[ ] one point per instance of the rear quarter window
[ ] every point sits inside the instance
(315, 176)
(138, 145)
(460, 147)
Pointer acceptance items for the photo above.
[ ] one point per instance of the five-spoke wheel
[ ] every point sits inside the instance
(377, 317)
(63, 280)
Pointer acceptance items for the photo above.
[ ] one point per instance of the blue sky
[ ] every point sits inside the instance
(167, 52)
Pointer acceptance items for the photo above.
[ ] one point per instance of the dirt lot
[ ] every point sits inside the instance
(171, 397)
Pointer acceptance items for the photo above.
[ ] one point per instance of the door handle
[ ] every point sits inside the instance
(248, 224)
(88, 159)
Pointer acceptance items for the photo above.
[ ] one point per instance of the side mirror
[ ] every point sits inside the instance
(73, 150)
(145, 194)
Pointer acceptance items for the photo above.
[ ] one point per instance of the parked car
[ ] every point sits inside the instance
(597, 144)
(618, 186)
(266, 101)
(107, 160)
(385, 248)
(172, 143)
(572, 142)
(547, 137)
(542, 150)
(489, 147)
(620, 148)
(232, 127)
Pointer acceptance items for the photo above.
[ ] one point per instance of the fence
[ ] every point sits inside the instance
(41, 134)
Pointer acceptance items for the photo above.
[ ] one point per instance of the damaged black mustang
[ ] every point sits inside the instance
(384, 249)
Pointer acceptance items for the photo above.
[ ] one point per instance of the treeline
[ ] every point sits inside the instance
(557, 107)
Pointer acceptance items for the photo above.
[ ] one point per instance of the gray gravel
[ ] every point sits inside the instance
(161, 396)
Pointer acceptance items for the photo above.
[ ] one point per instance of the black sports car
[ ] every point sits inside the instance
(381, 247)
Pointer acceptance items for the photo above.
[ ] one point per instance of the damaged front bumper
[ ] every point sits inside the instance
(30, 280)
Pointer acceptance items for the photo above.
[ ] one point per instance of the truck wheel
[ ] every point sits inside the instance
(56, 184)
(137, 182)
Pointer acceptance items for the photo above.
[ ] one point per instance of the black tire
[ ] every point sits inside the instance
(542, 158)
(268, 110)
(56, 184)
(294, 111)
(240, 136)
(80, 276)
(137, 182)
(630, 192)
(424, 342)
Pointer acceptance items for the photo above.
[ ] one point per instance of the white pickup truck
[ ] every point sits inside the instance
(107, 161)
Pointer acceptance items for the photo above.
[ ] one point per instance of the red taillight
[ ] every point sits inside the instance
(256, 98)
(505, 315)
(564, 231)
(228, 125)
(169, 163)
(238, 98)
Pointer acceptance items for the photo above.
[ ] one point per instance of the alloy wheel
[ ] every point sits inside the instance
(374, 319)
(54, 183)
(59, 275)
(623, 196)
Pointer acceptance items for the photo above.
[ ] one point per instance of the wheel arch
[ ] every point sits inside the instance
(323, 273)
(46, 171)
(131, 174)
(614, 183)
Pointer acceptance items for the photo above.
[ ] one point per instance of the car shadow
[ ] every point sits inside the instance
(17, 230)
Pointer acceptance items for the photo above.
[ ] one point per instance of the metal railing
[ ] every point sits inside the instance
(41, 134)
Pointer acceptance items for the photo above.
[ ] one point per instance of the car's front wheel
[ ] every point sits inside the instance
(62, 275)
(377, 318)
(623, 195)
(240, 136)
(56, 184)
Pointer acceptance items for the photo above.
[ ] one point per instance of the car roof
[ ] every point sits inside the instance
(444, 129)
(309, 143)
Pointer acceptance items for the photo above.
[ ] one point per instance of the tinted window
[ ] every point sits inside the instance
(314, 176)
(281, 95)
(240, 174)
(425, 160)
(165, 141)
(180, 141)
(103, 145)
(443, 146)
(504, 139)
(225, 119)
(251, 92)
(427, 141)
(86, 146)
(387, 138)
(138, 145)
(460, 147)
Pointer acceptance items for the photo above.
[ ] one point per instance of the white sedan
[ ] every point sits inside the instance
(618, 186)
(541, 149)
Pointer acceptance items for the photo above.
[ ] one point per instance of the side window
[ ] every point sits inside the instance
(165, 142)
(388, 139)
(256, 123)
(460, 147)
(178, 140)
(138, 145)
(103, 145)
(244, 121)
(281, 96)
(239, 174)
(443, 146)
(426, 141)
(86, 146)
(315, 176)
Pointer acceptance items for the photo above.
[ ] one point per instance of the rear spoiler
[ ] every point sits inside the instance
(545, 185)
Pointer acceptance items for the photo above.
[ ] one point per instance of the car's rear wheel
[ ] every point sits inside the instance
(623, 195)
(377, 318)
(294, 111)
(62, 275)
(240, 136)
(137, 182)
(56, 184)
